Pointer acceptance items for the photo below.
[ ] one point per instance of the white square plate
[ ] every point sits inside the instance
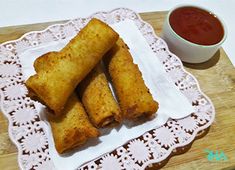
(29, 132)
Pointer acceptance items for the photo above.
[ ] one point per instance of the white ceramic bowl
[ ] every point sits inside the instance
(187, 51)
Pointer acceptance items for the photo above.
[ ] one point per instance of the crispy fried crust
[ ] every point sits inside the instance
(58, 73)
(134, 97)
(97, 98)
(72, 128)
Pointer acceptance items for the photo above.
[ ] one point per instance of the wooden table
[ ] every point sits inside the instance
(216, 78)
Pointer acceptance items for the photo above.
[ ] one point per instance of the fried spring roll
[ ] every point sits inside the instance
(97, 98)
(65, 69)
(72, 128)
(133, 95)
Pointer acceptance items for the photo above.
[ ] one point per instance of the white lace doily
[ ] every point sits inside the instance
(27, 131)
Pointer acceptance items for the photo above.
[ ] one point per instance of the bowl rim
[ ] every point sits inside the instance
(189, 42)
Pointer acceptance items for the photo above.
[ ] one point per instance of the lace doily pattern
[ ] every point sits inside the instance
(27, 130)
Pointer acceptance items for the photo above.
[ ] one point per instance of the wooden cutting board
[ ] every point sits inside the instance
(217, 80)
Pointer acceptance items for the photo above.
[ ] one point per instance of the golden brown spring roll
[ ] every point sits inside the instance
(97, 98)
(73, 127)
(65, 69)
(133, 95)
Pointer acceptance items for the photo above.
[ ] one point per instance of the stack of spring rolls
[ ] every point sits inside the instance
(73, 85)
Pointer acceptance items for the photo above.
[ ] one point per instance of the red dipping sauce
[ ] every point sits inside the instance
(196, 25)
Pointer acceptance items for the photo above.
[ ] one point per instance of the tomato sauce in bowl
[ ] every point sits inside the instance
(196, 25)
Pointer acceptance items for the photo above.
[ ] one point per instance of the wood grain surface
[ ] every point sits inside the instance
(217, 80)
